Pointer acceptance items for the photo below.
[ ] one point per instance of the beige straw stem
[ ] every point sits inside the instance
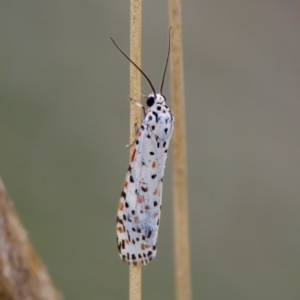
(135, 272)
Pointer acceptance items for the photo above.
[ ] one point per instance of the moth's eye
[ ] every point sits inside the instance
(150, 101)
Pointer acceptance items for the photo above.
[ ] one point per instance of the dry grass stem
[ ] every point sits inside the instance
(135, 272)
(181, 240)
(22, 276)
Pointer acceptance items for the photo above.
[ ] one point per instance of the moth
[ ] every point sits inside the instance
(139, 208)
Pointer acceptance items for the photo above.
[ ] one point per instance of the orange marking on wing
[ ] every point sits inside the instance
(155, 215)
(139, 134)
(147, 246)
(125, 184)
(140, 200)
(121, 206)
(154, 164)
(127, 242)
(136, 219)
(142, 246)
(120, 229)
(133, 155)
(155, 192)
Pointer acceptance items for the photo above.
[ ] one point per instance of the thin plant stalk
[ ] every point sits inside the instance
(181, 236)
(135, 272)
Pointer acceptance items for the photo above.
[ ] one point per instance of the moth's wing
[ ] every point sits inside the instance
(124, 218)
(129, 235)
(149, 171)
(155, 148)
(140, 202)
(148, 205)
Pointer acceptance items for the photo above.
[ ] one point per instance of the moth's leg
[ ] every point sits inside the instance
(139, 105)
(136, 133)
(136, 129)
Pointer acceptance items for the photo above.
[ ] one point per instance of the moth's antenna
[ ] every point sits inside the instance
(163, 79)
(136, 67)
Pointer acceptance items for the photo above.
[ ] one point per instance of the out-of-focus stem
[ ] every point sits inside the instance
(22, 276)
(181, 236)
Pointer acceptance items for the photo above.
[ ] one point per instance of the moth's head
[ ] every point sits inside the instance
(158, 99)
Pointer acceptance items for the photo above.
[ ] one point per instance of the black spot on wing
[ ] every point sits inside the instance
(156, 116)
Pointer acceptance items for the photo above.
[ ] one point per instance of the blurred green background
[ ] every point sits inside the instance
(64, 125)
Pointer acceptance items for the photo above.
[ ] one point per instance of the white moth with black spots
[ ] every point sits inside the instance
(140, 203)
